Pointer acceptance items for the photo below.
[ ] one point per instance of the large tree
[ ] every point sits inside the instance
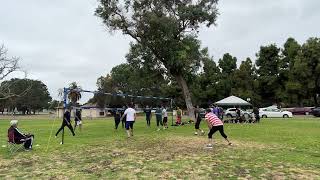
(36, 98)
(133, 79)
(307, 69)
(245, 84)
(205, 87)
(228, 65)
(268, 59)
(292, 94)
(8, 65)
(165, 28)
(74, 94)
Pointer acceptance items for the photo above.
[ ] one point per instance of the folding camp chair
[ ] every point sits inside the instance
(12, 145)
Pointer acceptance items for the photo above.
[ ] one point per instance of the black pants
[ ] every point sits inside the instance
(148, 120)
(28, 143)
(197, 125)
(76, 123)
(64, 125)
(159, 121)
(116, 122)
(215, 129)
(123, 122)
(257, 118)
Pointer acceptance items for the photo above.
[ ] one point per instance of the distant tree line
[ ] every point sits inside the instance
(287, 76)
(28, 96)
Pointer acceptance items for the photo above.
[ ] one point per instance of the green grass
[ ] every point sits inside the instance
(273, 149)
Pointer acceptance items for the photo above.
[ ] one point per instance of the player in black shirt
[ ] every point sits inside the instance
(66, 122)
(147, 110)
(78, 120)
(123, 121)
(117, 116)
(198, 121)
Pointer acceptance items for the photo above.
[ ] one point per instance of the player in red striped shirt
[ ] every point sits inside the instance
(214, 124)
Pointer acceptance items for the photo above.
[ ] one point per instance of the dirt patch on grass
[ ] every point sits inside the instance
(297, 173)
(178, 158)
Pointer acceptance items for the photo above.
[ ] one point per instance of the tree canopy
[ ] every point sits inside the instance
(164, 31)
(287, 76)
(36, 98)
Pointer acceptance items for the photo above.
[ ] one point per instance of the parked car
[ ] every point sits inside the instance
(300, 110)
(273, 113)
(316, 111)
(231, 112)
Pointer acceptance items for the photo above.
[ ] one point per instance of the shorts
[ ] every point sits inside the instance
(165, 119)
(129, 125)
(78, 123)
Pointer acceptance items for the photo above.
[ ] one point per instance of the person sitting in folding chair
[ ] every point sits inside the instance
(15, 136)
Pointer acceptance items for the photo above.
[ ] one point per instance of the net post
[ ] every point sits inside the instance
(172, 111)
(62, 140)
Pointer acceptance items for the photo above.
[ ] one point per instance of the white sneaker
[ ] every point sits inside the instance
(202, 133)
(158, 129)
(55, 137)
(209, 146)
(195, 133)
(61, 143)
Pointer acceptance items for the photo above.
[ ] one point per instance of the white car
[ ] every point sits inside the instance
(231, 112)
(274, 113)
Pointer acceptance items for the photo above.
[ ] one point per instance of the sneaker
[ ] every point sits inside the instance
(158, 129)
(209, 146)
(61, 143)
(202, 133)
(55, 136)
(230, 144)
(195, 133)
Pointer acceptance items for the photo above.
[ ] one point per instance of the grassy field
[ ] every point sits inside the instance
(273, 149)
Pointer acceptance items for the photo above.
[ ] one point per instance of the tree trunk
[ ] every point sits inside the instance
(187, 96)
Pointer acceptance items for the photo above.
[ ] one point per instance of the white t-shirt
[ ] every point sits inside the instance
(130, 114)
(164, 112)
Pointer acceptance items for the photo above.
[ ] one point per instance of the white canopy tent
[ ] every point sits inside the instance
(232, 101)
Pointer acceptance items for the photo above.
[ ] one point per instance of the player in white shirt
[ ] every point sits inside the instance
(165, 117)
(131, 117)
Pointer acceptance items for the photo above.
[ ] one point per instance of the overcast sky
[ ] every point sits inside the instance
(62, 41)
